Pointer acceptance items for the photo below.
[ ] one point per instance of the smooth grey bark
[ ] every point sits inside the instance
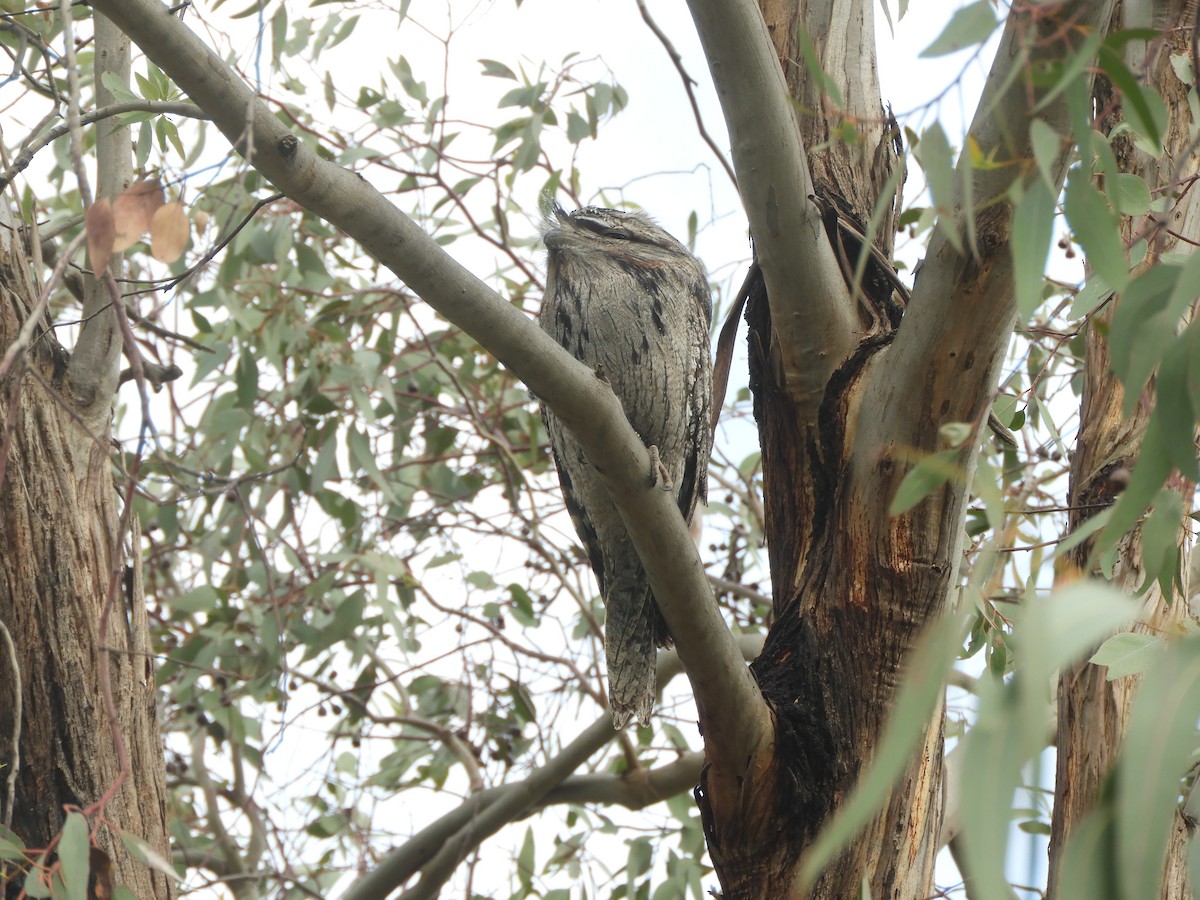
(815, 324)
(94, 369)
(943, 365)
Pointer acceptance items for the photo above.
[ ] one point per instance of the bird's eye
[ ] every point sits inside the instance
(604, 229)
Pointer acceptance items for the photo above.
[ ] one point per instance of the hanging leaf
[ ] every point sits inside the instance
(971, 25)
(1096, 229)
(1033, 230)
(926, 477)
(168, 232)
(1159, 744)
(1128, 653)
(133, 211)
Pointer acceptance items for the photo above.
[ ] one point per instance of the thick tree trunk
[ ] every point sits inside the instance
(60, 551)
(854, 586)
(1093, 712)
(65, 561)
(848, 603)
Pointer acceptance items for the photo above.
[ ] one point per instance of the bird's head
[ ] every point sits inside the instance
(615, 232)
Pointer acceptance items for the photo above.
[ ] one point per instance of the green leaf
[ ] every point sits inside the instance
(1033, 230)
(1158, 749)
(1070, 73)
(1062, 628)
(1014, 715)
(494, 69)
(526, 860)
(1090, 296)
(201, 599)
(1153, 467)
(1129, 194)
(1128, 653)
(829, 85)
(362, 456)
(36, 887)
(970, 25)
(144, 853)
(1096, 229)
(118, 88)
(522, 606)
(924, 478)
(1149, 113)
(578, 128)
(1089, 861)
(1047, 148)
(73, 850)
(1161, 542)
(1177, 417)
(1143, 327)
(934, 154)
(246, 379)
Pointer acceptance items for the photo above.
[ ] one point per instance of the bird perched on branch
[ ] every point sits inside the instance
(629, 300)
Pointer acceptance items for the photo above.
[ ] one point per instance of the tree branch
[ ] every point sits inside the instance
(32, 147)
(465, 828)
(95, 359)
(812, 313)
(734, 716)
(947, 353)
(634, 790)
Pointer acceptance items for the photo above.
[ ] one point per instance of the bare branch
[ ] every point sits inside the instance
(14, 764)
(634, 790)
(462, 830)
(32, 147)
(687, 81)
(948, 349)
(789, 241)
(93, 372)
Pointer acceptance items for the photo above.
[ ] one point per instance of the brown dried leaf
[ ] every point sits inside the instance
(133, 210)
(168, 232)
(101, 231)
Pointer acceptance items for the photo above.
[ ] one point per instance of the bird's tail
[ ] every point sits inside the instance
(633, 630)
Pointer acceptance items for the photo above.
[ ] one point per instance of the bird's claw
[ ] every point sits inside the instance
(658, 472)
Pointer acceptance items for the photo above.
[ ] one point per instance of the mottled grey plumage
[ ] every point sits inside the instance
(628, 299)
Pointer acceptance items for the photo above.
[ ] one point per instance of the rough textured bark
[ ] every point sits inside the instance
(58, 531)
(63, 558)
(852, 145)
(854, 586)
(1093, 712)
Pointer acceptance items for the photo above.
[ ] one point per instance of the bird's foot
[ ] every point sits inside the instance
(658, 472)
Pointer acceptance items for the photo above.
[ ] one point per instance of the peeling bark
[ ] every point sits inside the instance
(1093, 713)
(58, 531)
(854, 586)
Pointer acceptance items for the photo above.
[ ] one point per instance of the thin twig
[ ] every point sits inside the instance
(32, 148)
(15, 764)
(74, 124)
(688, 82)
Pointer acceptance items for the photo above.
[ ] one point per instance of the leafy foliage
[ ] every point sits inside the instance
(366, 599)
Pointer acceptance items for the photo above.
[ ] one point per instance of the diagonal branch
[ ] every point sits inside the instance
(437, 849)
(798, 264)
(944, 362)
(731, 707)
